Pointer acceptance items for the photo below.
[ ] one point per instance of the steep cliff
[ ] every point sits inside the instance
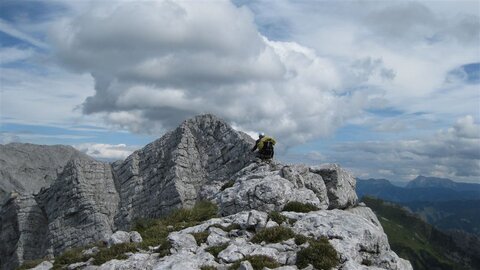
(203, 159)
(26, 168)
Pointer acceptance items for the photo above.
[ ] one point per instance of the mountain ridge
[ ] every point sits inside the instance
(90, 200)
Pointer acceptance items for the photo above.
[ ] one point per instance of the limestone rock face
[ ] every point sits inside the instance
(26, 168)
(169, 172)
(80, 205)
(355, 238)
(204, 158)
(340, 185)
(270, 186)
(22, 232)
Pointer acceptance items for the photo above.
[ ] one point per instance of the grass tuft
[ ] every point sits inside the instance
(300, 239)
(299, 207)
(208, 267)
(70, 256)
(215, 250)
(273, 235)
(228, 184)
(201, 237)
(277, 217)
(319, 253)
(30, 264)
(114, 252)
(258, 262)
(228, 228)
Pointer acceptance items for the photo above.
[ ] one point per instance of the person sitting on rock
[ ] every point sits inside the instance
(265, 147)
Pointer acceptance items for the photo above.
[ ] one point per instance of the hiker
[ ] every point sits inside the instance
(265, 147)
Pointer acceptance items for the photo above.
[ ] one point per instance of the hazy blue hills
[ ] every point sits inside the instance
(425, 246)
(446, 204)
(420, 189)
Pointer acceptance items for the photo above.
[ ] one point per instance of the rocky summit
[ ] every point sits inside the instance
(204, 159)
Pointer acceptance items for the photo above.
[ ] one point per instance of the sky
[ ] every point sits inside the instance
(387, 89)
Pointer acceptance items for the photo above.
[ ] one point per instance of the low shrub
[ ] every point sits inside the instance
(114, 252)
(273, 235)
(228, 184)
(215, 250)
(258, 262)
(70, 256)
(228, 228)
(200, 237)
(300, 239)
(30, 264)
(155, 231)
(319, 253)
(299, 207)
(208, 267)
(277, 217)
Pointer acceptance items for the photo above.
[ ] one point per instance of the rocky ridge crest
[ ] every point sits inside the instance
(90, 200)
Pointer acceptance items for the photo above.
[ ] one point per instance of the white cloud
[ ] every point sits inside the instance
(453, 153)
(169, 60)
(106, 151)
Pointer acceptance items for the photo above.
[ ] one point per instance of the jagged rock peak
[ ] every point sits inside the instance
(26, 168)
(169, 172)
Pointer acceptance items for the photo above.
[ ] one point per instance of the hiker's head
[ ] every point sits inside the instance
(261, 135)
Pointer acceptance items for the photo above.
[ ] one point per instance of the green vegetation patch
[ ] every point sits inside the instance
(201, 237)
(301, 239)
(215, 250)
(258, 262)
(320, 253)
(227, 228)
(155, 231)
(277, 217)
(208, 267)
(300, 207)
(70, 256)
(413, 239)
(114, 252)
(31, 264)
(228, 184)
(273, 235)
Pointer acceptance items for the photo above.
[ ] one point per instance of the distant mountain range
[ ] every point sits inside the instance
(420, 189)
(446, 204)
(425, 246)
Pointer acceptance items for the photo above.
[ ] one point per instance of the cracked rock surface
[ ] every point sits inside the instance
(87, 201)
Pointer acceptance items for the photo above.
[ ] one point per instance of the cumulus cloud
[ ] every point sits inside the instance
(156, 63)
(109, 152)
(453, 153)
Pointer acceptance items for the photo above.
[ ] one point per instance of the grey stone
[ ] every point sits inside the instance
(340, 185)
(79, 205)
(245, 265)
(135, 237)
(182, 241)
(88, 200)
(91, 251)
(168, 173)
(22, 232)
(45, 265)
(137, 261)
(26, 168)
(185, 260)
(119, 237)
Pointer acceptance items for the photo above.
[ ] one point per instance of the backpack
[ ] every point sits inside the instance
(267, 149)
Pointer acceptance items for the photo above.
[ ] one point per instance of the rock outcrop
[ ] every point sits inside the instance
(80, 205)
(26, 168)
(203, 159)
(169, 172)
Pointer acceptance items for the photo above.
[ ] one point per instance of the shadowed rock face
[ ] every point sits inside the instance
(29, 167)
(89, 200)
